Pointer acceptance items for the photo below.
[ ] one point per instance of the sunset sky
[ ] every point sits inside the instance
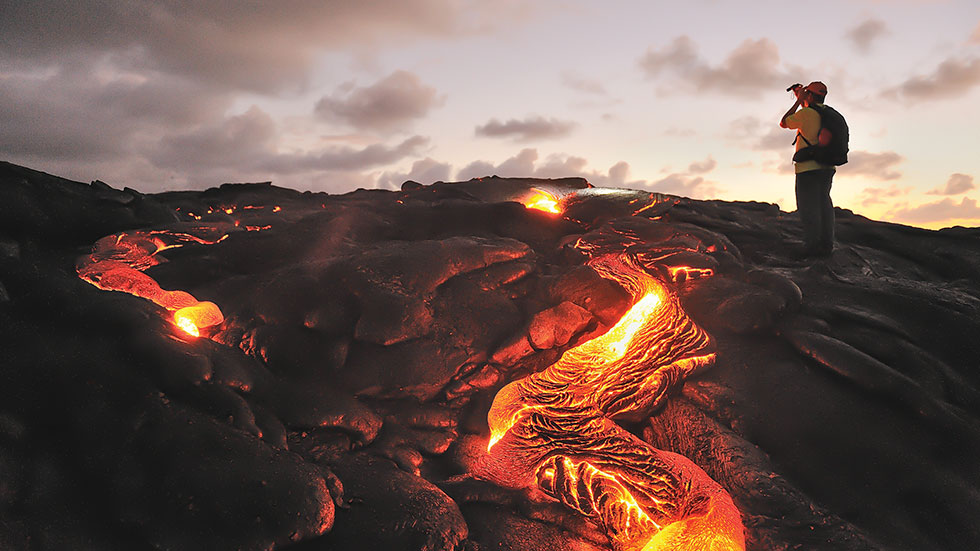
(679, 97)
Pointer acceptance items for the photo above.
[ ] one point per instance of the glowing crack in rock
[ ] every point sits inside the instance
(117, 262)
(554, 430)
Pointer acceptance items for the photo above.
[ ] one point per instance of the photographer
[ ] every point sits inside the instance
(813, 178)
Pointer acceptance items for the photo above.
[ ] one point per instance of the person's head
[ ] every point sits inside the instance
(815, 92)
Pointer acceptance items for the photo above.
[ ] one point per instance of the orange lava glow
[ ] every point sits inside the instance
(187, 326)
(682, 273)
(192, 318)
(542, 200)
(555, 430)
(652, 201)
(116, 263)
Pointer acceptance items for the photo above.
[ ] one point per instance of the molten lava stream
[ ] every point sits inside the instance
(554, 430)
(117, 263)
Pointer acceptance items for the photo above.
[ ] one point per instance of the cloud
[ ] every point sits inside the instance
(526, 165)
(249, 144)
(751, 67)
(703, 167)
(957, 184)
(345, 158)
(686, 185)
(109, 88)
(879, 166)
(529, 129)
(940, 211)
(580, 83)
(952, 78)
(781, 165)
(864, 35)
(619, 172)
(681, 55)
(876, 195)
(521, 164)
(261, 47)
(91, 114)
(975, 37)
(751, 133)
(676, 132)
(424, 171)
(237, 140)
(478, 169)
(391, 102)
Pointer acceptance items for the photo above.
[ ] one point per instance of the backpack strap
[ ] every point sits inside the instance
(800, 135)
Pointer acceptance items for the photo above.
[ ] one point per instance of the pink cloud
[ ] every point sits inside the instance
(580, 83)
(752, 66)
(940, 211)
(876, 196)
(878, 166)
(264, 46)
(526, 164)
(952, 78)
(424, 171)
(685, 185)
(528, 129)
(751, 133)
(703, 167)
(864, 35)
(248, 143)
(393, 101)
(677, 132)
(957, 184)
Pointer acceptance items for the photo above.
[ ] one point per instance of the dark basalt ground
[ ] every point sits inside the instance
(341, 403)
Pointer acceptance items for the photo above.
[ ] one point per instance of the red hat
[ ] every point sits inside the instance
(816, 87)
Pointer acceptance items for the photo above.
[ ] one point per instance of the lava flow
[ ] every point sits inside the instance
(542, 200)
(116, 263)
(554, 430)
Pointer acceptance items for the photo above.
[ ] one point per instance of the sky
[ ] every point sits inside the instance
(678, 97)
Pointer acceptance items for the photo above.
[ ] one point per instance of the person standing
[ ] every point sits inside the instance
(813, 178)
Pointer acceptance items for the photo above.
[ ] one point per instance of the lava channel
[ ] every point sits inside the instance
(555, 430)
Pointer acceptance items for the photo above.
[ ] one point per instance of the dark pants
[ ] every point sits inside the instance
(815, 209)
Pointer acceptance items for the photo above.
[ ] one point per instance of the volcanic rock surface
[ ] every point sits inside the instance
(342, 402)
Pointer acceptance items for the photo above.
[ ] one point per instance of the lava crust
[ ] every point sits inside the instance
(349, 349)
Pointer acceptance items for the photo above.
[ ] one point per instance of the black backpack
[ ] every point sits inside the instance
(835, 152)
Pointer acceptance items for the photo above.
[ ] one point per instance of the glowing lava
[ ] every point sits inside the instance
(187, 325)
(542, 200)
(116, 263)
(202, 314)
(554, 430)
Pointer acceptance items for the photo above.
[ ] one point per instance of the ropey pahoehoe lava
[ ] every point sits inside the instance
(554, 430)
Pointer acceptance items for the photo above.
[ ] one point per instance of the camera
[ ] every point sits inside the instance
(794, 87)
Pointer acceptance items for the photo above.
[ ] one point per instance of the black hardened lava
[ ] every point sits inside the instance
(341, 402)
